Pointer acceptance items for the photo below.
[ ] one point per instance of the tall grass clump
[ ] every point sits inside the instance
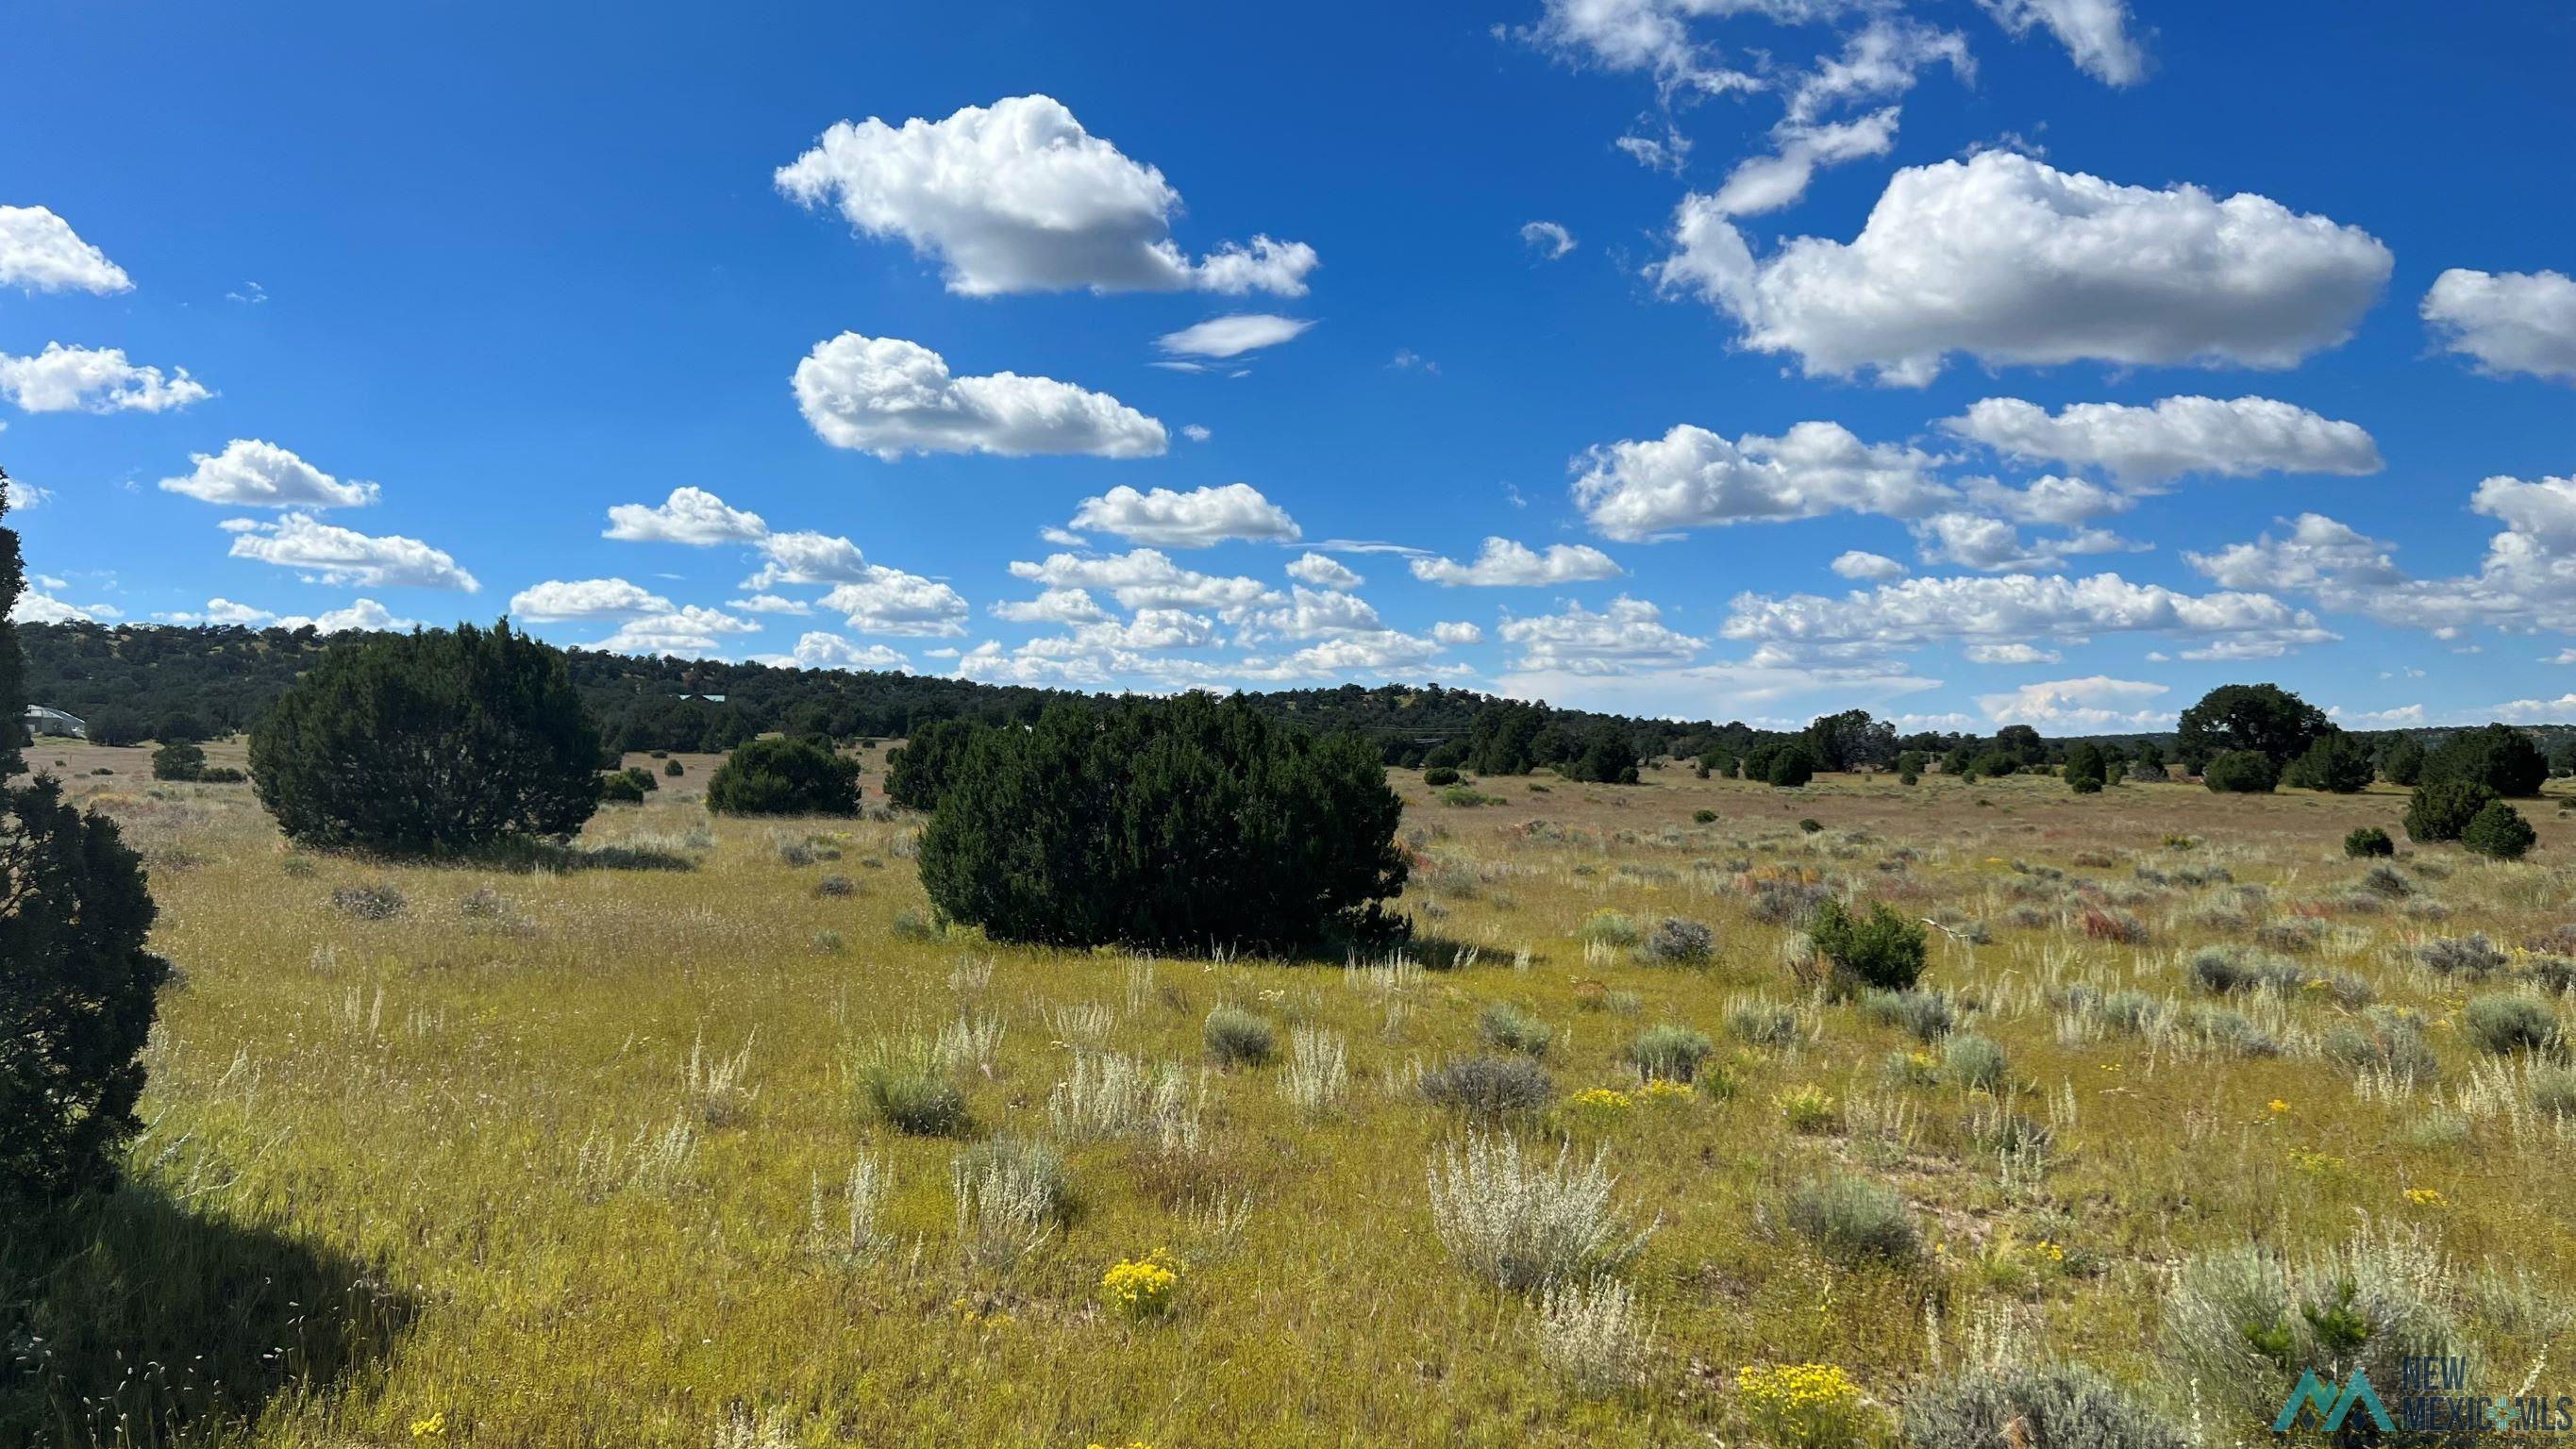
(1318, 1075)
(909, 1093)
(1927, 1015)
(1593, 1336)
(1523, 1224)
(1514, 1030)
(2040, 1405)
(1853, 1220)
(1239, 1038)
(1669, 1052)
(2245, 1322)
(1109, 1095)
(1009, 1192)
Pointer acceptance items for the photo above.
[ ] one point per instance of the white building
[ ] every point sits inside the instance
(40, 720)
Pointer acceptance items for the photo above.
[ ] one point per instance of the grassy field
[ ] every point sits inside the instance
(580, 1153)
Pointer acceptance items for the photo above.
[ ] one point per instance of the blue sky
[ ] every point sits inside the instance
(2040, 361)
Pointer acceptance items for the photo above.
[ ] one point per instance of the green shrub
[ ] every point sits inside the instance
(674, 769)
(2086, 771)
(1514, 1030)
(620, 789)
(1927, 1015)
(1489, 1088)
(784, 777)
(2383, 1040)
(1790, 767)
(1607, 928)
(182, 761)
(1703, 817)
(1677, 942)
(2501, 1024)
(1972, 1061)
(915, 1099)
(2336, 763)
(1811, 826)
(1239, 1038)
(2500, 757)
(2402, 762)
(918, 771)
(1763, 1023)
(2241, 772)
(437, 740)
(2499, 832)
(1439, 775)
(2226, 970)
(2368, 842)
(1179, 824)
(2442, 809)
(1669, 1052)
(1882, 950)
(1853, 1220)
(2037, 1406)
(2553, 1092)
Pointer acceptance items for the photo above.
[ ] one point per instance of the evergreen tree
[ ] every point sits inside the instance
(2499, 757)
(1183, 824)
(919, 769)
(1502, 738)
(2264, 718)
(2402, 763)
(2442, 809)
(440, 740)
(2086, 771)
(2335, 762)
(2241, 772)
(786, 777)
(77, 988)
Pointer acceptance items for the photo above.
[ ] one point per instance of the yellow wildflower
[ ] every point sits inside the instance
(433, 1427)
(2427, 1197)
(2278, 1106)
(1605, 1099)
(1660, 1090)
(1141, 1287)
(1809, 1405)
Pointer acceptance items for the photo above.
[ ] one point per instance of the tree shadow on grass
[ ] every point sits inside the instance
(135, 1320)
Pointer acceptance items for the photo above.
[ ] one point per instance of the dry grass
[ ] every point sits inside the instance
(595, 1128)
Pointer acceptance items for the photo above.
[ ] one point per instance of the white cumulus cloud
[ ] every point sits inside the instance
(1694, 478)
(1324, 572)
(2094, 32)
(1018, 197)
(345, 556)
(889, 397)
(2507, 322)
(250, 473)
(2070, 706)
(2019, 607)
(557, 600)
(39, 252)
(1626, 634)
(1549, 239)
(1147, 578)
(689, 515)
(889, 601)
(2234, 438)
(93, 380)
(831, 651)
(1860, 564)
(2010, 260)
(1504, 563)
(1200, 518)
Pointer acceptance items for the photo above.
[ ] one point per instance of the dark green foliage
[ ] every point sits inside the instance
(1179, 824)
(785, 777)
(2442, 809)
(2402, 762)
(1488, 1088)
(1608, 757)
(2264, 718)
(2035, 1406)
(182, 728)
(643, 778)
(77, 993)
(1849, 740)
(2086, 771)
(918, 770)
(1503, 738)
(439, 740)
(2368, 841)
(77, 987)
(2503, 1023)
(2022, 743)
(915, 1100)
(1789, 767)
(674, 769)
(1882, 950)
(178, 762)
(620, 789)
(2335, 762)
(1439, 775)
(2499, 832)
(2241, 772)
(2499, 757)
